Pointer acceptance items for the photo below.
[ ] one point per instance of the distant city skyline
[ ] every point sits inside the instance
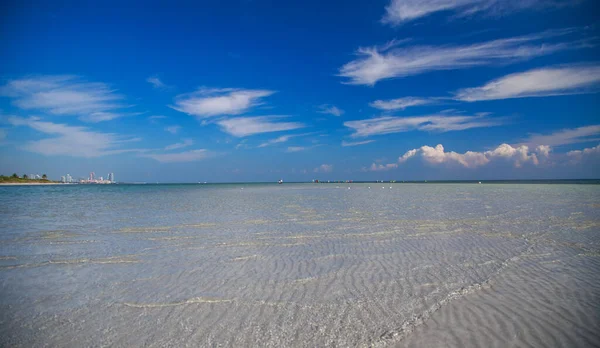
(246, 91)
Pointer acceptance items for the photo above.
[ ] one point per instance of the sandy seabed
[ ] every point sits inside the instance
(300, 266)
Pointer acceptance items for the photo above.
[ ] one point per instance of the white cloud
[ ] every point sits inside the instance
(400, 103)
(245, 126)
(564, 137)
(324, 168)
(173, 129)
(66, 95)
(380, 63)
(536, 83)
(156, 82)
(185, 143)
(217, 102)
(296, 148)
(356, 143)
(401, 11)
(282, 139)
(331, 110)
(381, 167)
(187, 156)
(438, 123)
(517, 156)
(579, 155)
(71, 140)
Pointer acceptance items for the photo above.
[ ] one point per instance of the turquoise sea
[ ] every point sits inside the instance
(301, 265)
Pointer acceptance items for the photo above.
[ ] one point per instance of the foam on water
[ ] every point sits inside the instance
(300, 265)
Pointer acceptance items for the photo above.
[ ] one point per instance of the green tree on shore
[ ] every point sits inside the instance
(14, 175)
(25, 176)
(44, 176)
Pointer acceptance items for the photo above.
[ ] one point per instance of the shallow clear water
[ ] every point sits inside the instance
(300, 265)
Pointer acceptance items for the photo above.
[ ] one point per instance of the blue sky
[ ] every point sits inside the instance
(334, 90)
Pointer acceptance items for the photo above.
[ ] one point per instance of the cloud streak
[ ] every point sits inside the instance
(246, 126)
(380, 63)
(156, 82)
(187, 156)
(356, 143)
(434, 123)
(402, 11)
(72, 141)
(66, 95)
(536, 83)
(400, 103)
(564, 137)
(185, 143)
(212, 102)
(330, 110)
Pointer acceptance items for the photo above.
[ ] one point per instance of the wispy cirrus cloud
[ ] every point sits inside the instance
(66, 95)
(210, 102)
(537, 83)
(564, 136)
(401, 103)
(173, 129)
(185, 143)
(379, 63)
(297, 148)
(402, 11)
(187, 156)
(356, 143)
(330, 110)
(72, 140)
(434, 123)
(156, 82)
(283, 139)
(246, 126)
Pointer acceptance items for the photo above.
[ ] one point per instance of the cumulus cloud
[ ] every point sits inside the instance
(324, 168)
(536, 83)
(356, 143)
(331, 110)
(400, 103)
(185, 143)
(437, 123)
(401, 11)
(579, 155)
(187, 156)
(173, 129)
(210, 102)
(379, 63)
(517, 156)
(66, 95)
(71, 140)
(245, 126)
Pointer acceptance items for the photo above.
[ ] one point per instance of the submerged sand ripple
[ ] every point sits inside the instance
(306, 266)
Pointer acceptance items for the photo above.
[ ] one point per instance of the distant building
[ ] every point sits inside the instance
(111, 177)
(63, 179)
(92, 175)
(69, 178)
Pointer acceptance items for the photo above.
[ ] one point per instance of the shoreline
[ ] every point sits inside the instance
(29, 183)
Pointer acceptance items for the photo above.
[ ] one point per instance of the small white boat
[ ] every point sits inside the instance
(280, 181)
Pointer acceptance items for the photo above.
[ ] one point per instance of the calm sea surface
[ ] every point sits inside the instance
(300, 265)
